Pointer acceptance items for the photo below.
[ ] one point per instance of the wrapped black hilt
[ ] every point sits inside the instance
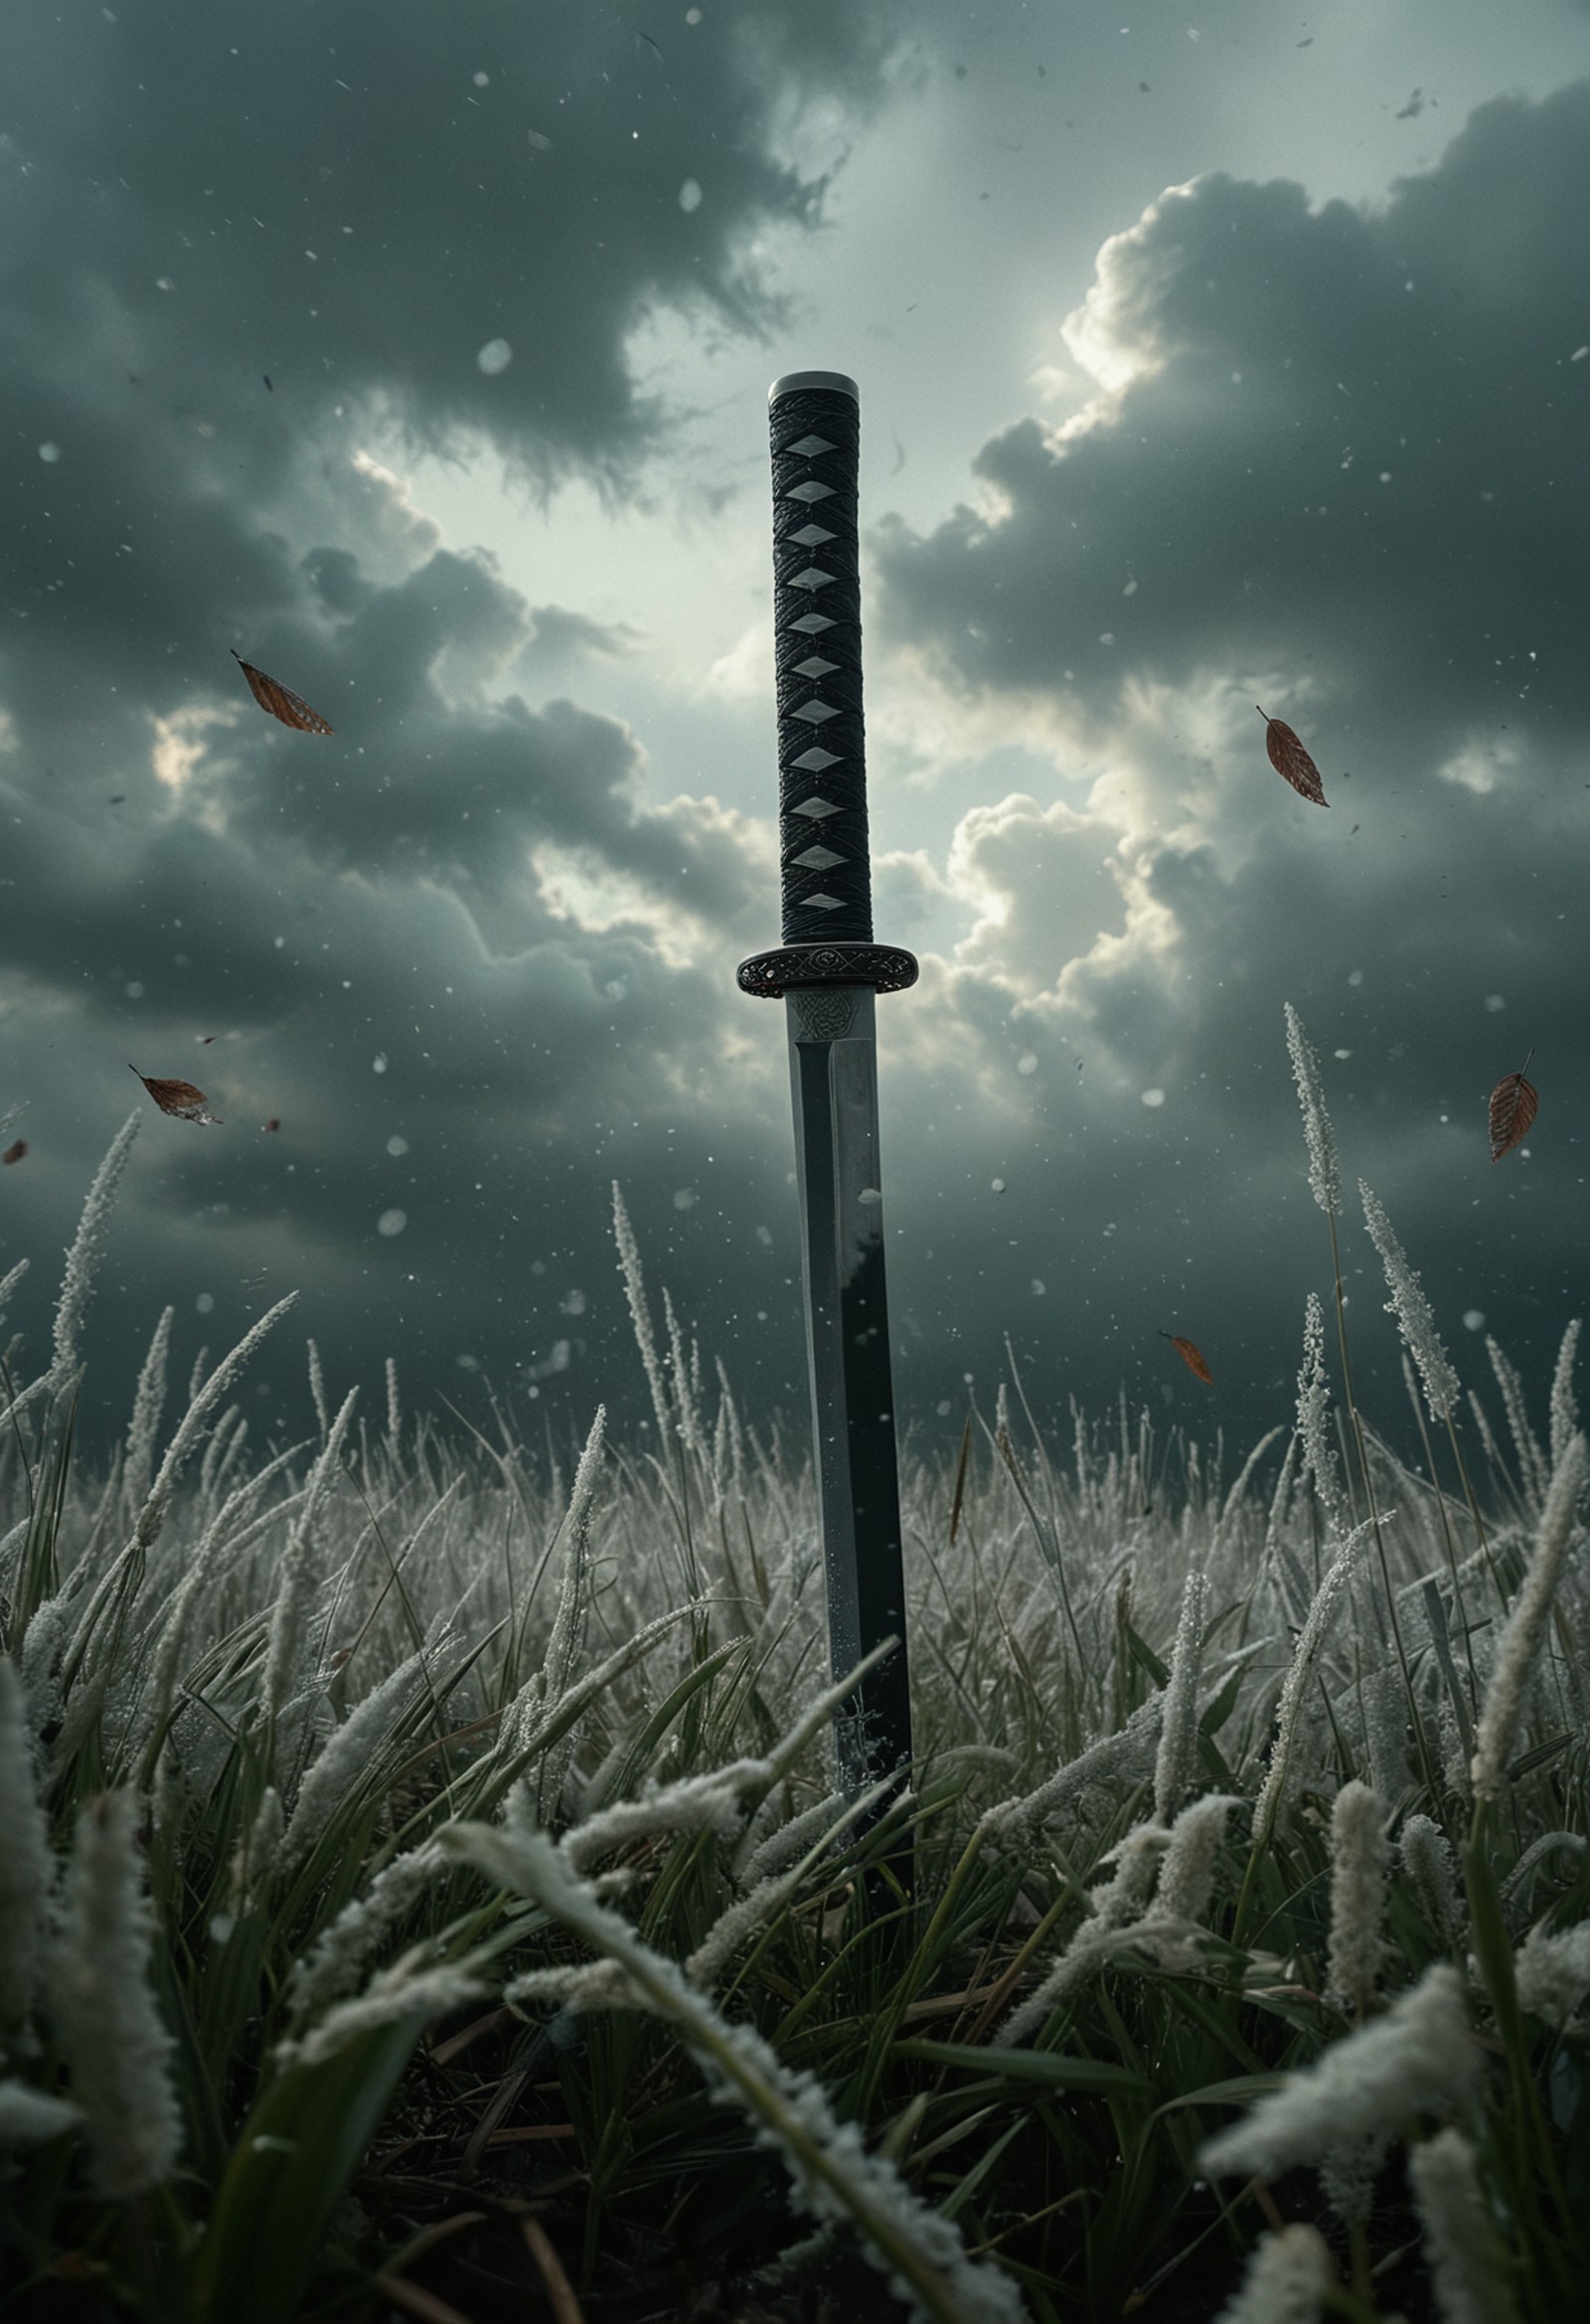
(826, 884)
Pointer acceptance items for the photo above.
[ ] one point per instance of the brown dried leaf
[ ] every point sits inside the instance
(1192, 1357)
(1288, 757)
(273, 1123)
(1515, 1103)
(14, 1153)
(178, 1097)
(280, 700)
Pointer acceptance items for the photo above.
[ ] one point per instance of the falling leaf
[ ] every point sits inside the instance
(1515, 1103)
(266, 375)
(14, 1153)
(281, 701)
(1288, 757)
(178, 1097)
(1191, 1357)
(273, 1123)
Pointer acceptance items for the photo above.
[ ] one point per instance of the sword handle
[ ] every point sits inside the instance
(814, 419)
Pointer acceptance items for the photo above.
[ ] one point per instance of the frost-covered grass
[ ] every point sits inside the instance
(425, 1890)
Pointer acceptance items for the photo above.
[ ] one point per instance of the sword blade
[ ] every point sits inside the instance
(834, 1087)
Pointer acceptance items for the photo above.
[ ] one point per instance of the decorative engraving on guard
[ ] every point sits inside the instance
(793, 969)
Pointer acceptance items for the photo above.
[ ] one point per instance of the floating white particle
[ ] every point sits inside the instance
(1026, 1063)
(542, 143)
(1473, 1319)
(764, 1234)
(1154, 1097)
(1493, 1002)
(481, 80)
(392, 1222)
(693, 16)
(1579, 354)
(466, 1362)
(686, 1199)
(494, 356)
(205, 1302)
(1355, 976)
(1385, 475)
(1341, 1053)
(689, 196)
(395, 1146)
(1039, 1287)
(50, 452)
(164, 282)
(377, 1064)
(1130, 589)
(1106, 637)
(997, 1185)
(136, 992)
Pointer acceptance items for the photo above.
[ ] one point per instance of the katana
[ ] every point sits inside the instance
(828, 972)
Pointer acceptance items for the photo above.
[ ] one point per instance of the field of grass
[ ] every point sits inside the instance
(425, 1891)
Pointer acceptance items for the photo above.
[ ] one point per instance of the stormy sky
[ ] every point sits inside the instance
(1208, 357)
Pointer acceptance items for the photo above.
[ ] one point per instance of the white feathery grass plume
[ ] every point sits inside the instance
(27, 1866)
(1287, 2280)
(1386, 1727)
(1165, 1941)
(833, 2175)
(76, 1285)
(1565, 1404)
(9, 1281)
(1314, 1408)
(1327, 1598)
(199, 1407)
(567, 1644)
(1426, 1857)
(1114, 1758)
(1408, 1304)
(1552, 1969)
(317, 1389)
(1187, 1876)
(345, 1757)
(394, 1409)
(753, 1910)
(117, 2049)
(1532, 1460)
(295, 1585)
(525, 1723)
(1175, 1762)
(690, 1427)
(1417, 2057)
(406, 1990)
(147, 1405)
(1360, 1864)
(1114, 1907)
(1521, 1641)
(710, 1801)
(635, 1290)
(1469, 2268)
(341, 1952)
(760, 1855)
(230, 1532)
(1324, 1172)
(28, 2117)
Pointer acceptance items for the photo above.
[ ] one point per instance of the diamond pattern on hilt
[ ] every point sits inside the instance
(815, 759)
(809, 624)
(814, 666)
(817, 712)
(810, 490)
(811, 536)
(814, 577)
(817, 807)
(822, 901)
(818, 859)
(810, 445)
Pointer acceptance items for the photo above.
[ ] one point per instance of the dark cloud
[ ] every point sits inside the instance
(1341, 466)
